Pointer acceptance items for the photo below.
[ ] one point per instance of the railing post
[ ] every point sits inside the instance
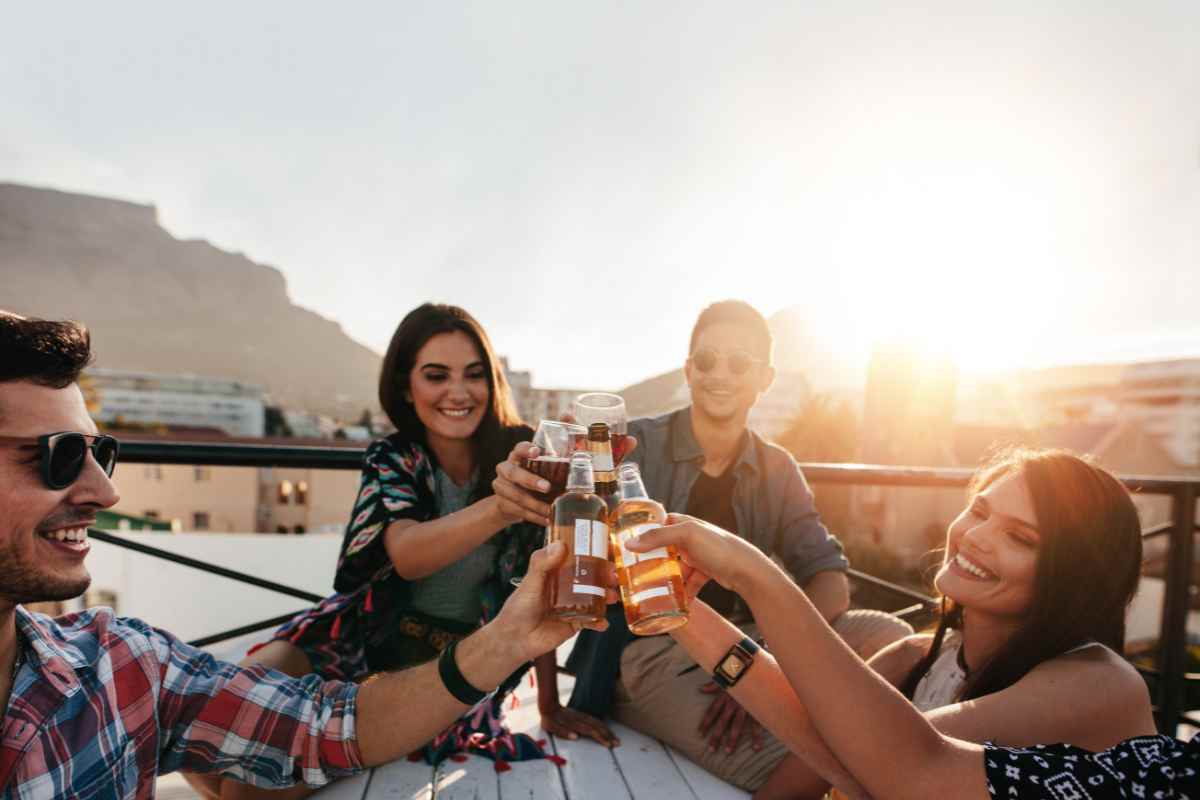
(1172, 642)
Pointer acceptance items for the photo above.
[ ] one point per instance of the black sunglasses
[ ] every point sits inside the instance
(739, 362)
(63, 455)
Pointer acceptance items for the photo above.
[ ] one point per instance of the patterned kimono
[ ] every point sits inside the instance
(360, 629)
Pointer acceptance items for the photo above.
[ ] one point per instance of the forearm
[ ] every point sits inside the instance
(873, 730)
(421, 549)
(765, 694)
(400, 711)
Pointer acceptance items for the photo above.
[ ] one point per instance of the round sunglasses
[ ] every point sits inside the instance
(62, 455)
(739, 362)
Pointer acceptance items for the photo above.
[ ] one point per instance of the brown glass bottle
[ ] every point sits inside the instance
(599, 446)
(579, 519)
(651, 583)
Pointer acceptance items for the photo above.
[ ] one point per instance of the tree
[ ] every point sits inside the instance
(276, 423)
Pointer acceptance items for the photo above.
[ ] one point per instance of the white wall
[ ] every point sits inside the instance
(191, 603)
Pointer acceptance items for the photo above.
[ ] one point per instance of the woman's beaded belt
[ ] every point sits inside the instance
(437, 638)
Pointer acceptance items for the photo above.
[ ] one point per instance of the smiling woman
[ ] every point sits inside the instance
(429, 553)
(1038, 571)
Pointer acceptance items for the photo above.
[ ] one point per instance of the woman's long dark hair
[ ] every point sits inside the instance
(1088, 565)
(501, 427)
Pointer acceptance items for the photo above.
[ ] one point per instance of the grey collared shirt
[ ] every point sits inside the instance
(772, 502)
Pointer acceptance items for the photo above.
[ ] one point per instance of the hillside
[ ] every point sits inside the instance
(161, 304)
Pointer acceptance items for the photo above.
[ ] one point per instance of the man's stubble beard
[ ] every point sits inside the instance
(23, 582)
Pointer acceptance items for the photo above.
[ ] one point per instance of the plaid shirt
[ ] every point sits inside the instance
(104, 704)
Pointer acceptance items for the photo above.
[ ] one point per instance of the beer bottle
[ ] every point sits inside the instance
(651, 583)
(579, 519)
(599, 445)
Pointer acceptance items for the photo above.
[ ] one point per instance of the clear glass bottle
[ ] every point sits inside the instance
(651, 583)
(579, 519)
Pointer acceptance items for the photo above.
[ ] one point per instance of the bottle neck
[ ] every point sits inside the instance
(602, 460)
(581, 478)
(632, 489)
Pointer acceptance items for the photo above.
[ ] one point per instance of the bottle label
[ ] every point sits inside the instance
(587, 588)
(583, 537)
(591, 538)
(628, 557)
(600, 540)
(647, 594)
(602, 461)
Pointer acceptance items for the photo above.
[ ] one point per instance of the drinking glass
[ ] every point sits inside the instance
(556, 441)
(609, 409)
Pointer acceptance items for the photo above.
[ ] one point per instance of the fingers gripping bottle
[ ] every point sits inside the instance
(579, 519)
(651, 583)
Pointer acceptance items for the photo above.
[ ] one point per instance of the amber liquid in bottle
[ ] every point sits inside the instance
(651, 583)
(579, 519)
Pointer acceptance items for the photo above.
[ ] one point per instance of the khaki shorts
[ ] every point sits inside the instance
(652, 697)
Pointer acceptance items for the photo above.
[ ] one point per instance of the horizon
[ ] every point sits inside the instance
(1124, 353)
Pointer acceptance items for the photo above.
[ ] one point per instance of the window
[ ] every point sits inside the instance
(200, 520)
(285, 492)
(302, 494)
(152, 472)
(202, 473)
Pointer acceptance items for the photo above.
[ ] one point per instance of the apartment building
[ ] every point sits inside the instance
(147, 400)
(238, 499)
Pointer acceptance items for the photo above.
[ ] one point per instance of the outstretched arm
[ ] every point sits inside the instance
(419, 549)
(266, 728)
(764, 693)
(885, 743)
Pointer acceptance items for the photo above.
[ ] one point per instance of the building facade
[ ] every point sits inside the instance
(193, 498)
(148, 400)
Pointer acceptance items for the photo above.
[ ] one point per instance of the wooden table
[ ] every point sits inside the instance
(640, 769)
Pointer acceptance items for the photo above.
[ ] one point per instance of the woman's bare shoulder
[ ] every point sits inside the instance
(1102, 668)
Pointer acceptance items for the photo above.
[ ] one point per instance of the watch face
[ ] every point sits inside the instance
(732, 666)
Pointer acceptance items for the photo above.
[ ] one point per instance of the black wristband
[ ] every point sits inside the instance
(453, 680)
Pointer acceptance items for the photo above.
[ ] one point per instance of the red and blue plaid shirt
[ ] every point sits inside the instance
(102, 704)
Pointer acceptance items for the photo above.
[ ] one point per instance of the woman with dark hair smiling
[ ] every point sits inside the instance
(429, 552)
(1038, 571)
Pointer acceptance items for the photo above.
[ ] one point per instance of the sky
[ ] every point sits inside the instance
(1015, 183)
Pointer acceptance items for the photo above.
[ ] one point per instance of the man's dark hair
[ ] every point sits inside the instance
(45, 352)
(743, 315)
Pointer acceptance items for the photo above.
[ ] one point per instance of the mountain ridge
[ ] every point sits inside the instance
(155, 303)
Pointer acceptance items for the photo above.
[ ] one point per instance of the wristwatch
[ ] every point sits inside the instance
(734, 664)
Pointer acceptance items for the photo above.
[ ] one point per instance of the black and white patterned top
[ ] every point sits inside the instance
(1144, 768)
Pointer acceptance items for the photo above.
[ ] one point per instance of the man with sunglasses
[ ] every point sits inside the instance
(704, 461)
(99, 705)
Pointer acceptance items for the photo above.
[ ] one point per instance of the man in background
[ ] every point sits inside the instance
(705, 461)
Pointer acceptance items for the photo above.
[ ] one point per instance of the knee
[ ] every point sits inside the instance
(868, 631)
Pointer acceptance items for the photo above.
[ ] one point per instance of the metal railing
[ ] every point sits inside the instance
(1168, 680)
